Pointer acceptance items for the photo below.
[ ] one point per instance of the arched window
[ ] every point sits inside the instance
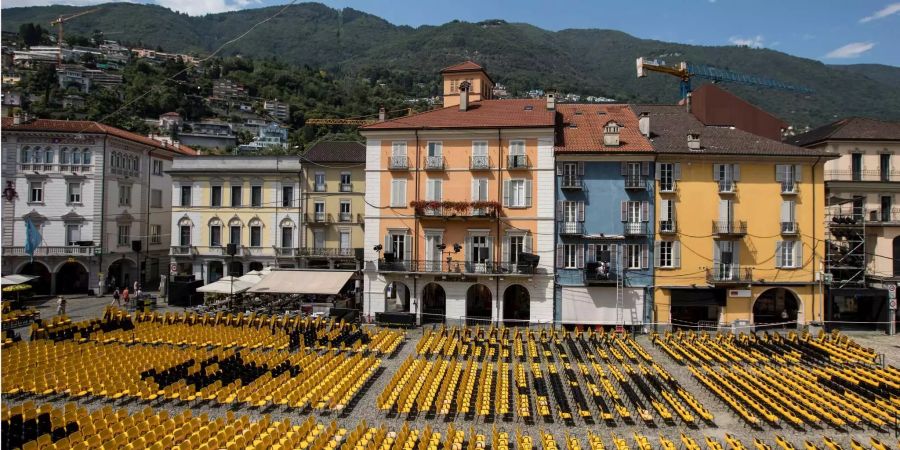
(184, 231)
(215, 232)
(26, 157)
(48, 155)
(287, 233)
(38, 155)
(76, 157)
(86, 156)
(64, 155)
(234, 231)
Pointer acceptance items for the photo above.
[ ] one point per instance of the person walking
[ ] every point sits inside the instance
(61, 306)
(125, 295)
(116, 296)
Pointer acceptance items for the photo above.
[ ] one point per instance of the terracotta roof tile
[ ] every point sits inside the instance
(86, 126)
(337, 151)
(520, 113)
(462, 67)
(850, 129)
(587, 133)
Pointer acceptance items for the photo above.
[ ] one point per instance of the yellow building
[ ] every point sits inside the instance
(739, 224)
(252, 202)
(334, 202)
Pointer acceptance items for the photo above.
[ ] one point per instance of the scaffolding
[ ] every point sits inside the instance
(845, 245)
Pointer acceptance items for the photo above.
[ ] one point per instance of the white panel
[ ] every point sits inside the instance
(373, 198)
(597, 305)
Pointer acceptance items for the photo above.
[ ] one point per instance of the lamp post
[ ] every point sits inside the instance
(231, 250)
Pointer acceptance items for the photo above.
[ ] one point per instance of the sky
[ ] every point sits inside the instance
(832, 31)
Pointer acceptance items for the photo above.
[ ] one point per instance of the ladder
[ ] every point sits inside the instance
(620, 295)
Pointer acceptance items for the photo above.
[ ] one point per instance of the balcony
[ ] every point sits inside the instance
(515, 162)
(729, 274)
(63, 250)
(345, 217)
(573, 182)
(789, 188)
(55, 168)
(574, 228)
(318, 218)
(398, 163)
(327, 252)
(601, 272)
(634, 228)
(456, 210)
(724, 228)
(320, 187)
(258, 251)
(346, 187)
(862, 175)
(635, 182)
(287, 251)
(883, 217)
(790, 228)
(471, 268)
(183, 250)
(480, 163)
(726, 187)
(667, 186)
(212, 250)
(434, 163)
(668, 227)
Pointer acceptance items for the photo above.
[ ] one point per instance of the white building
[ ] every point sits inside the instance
(65, 176)
(278, 110)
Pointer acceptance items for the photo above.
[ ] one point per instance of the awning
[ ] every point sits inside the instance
(225, 286)
(16, 279)
(327, 282)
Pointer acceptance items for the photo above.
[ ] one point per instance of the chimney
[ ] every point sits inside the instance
(17, 118)
(551, 101)
(644, 124)
(687, 102)
(381, 114)
(693, 141)
(464, 96)
(611, 134)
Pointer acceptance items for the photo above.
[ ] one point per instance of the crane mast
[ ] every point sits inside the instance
(60, 21)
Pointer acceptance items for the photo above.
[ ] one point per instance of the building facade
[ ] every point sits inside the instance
(862, 219)
(252, 202)
(459, 210)
(739, 234)
(98, 196)
(604, 217)
(333, 203)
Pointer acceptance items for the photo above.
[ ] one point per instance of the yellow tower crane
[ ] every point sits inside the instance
(60, 21)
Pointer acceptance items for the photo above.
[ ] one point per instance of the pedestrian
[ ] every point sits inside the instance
(116, 296)
(125, 295)
(784, 318)
(61, 306)
(137, 286)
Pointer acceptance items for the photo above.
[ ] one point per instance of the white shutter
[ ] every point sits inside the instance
(559, 168)
(798, 253)
(676, 254)
(579, 167)
(658, 171)
(438, 189)
(528, 244)
(624, 205)
(468, 249)
(504, 256)
(798, 173)
(785, 211)
(645, 256)
(716, 172)
(579, 256)
(395, 198)
(407, 247)
(665, 211)
(624, 168)
(579, 208)
(490, 245)
(736, 172)
(561, 210)
(645, 168)
(506, 192)
(717, 253)
(474, 194)
(645, 211)
(779, 260)
(591, 253)
(387, 244)
(528, 193)
(429, 190)
(676, 171)
(559, 256)
(724, 210)
(779, 172)
(657, 255)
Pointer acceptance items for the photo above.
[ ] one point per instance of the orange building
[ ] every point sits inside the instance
(460, 208)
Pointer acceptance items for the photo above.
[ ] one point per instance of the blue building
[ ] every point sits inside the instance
(604, 217)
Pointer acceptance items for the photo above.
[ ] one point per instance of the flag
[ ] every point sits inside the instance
(33, 237)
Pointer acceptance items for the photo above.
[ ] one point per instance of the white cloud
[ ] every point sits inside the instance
(753, 41)
(851, 50)
(888, 10)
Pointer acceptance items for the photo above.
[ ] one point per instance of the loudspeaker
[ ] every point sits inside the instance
(231, 249)
(389, 257)
(359, 254)
(136, 246)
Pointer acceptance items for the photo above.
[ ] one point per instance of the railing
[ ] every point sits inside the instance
(726, 186)
(434, 163)
(634, 228)
(258, 251)
(398, 163)
(287, 251)
(345, 217)
(320, 187)
(212, 250)
(517, 162)
(790, 228)
(469, 212)
(570, 228)
(635, 182)
(327, 252)
(42, 167)
(862, 175)
(667, 186)
(572, 182)
(183, 250)
(724, 227)
(789, 187)
(318, 217)
(878, 216)
(729, 273)
(600, 272)
(346, 187)
(63, 250)
(480, 163)
(667, 227)
(456, 267)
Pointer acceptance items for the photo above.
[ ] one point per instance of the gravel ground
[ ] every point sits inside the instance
(365, 406)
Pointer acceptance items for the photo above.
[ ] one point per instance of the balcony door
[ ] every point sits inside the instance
(319, 239)
(432, 253)
(725, 260)
(479, 252)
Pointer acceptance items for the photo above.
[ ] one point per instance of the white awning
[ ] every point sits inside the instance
(225, 286)
(328, 282)
(16, 279)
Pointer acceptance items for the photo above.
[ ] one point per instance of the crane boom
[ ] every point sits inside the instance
(60, 21)
(685, 71)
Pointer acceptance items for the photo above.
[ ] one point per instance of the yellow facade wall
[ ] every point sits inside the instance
(332, 197)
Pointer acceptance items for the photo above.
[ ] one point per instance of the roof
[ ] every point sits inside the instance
(326, 282)
(336, 151)
(466, 66)
(87, 126)
(589, 120)
(670, 125)
(520, 113)
(850, 129)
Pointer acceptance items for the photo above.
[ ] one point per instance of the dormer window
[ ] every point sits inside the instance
(693, 141)
(611, 134)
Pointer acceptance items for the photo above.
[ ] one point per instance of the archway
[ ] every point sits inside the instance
(396, 297)
(215, 271)
(434, 303)
(72, 278)
(121, 273)
(774, 307)
(478, 305)
(256, 265)
(516, 305)
(41, 284)
(236, 268)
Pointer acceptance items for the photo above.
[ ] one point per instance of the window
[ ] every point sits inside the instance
(858, 206)
(856, 166)
(215, 196)
(480, 155)
(124, 195)
(235, 196)
(398, 153)
(789, 254)
(184, 238)
(434, 190)
(667, 216)
(517, 157)
(885, 166)
(788, 217)
(344, 241)
(788, 175)
(569, 256)
(74, 192)
(397, 246)
(479, 249)
(434, 155)
(635, 256)
(668, 173)
(36, 192)
(287, 196)
(215, 235)
(157, 167)
(64, 156)
(256, 196)
(73, 234)
(255, 235)
(634, 212)
(517, 193)
(234, 235)
(38, 156)
(726, 175)
(319, 210)
(155, 234)
(479, 190)
(85, 157)
(287, 237)
(319, 182)
(345, 211)
(516, 147)
(345, 182)
(26, 156)
(123, 235)
(516, 246)
(886, 205)
(76, 157)
(319, 240)
(186, 195)
(156, 198)
(398, 193)
(668, 254)
(48, 155)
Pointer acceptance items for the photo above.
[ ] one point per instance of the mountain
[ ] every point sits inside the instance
(521, 56)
